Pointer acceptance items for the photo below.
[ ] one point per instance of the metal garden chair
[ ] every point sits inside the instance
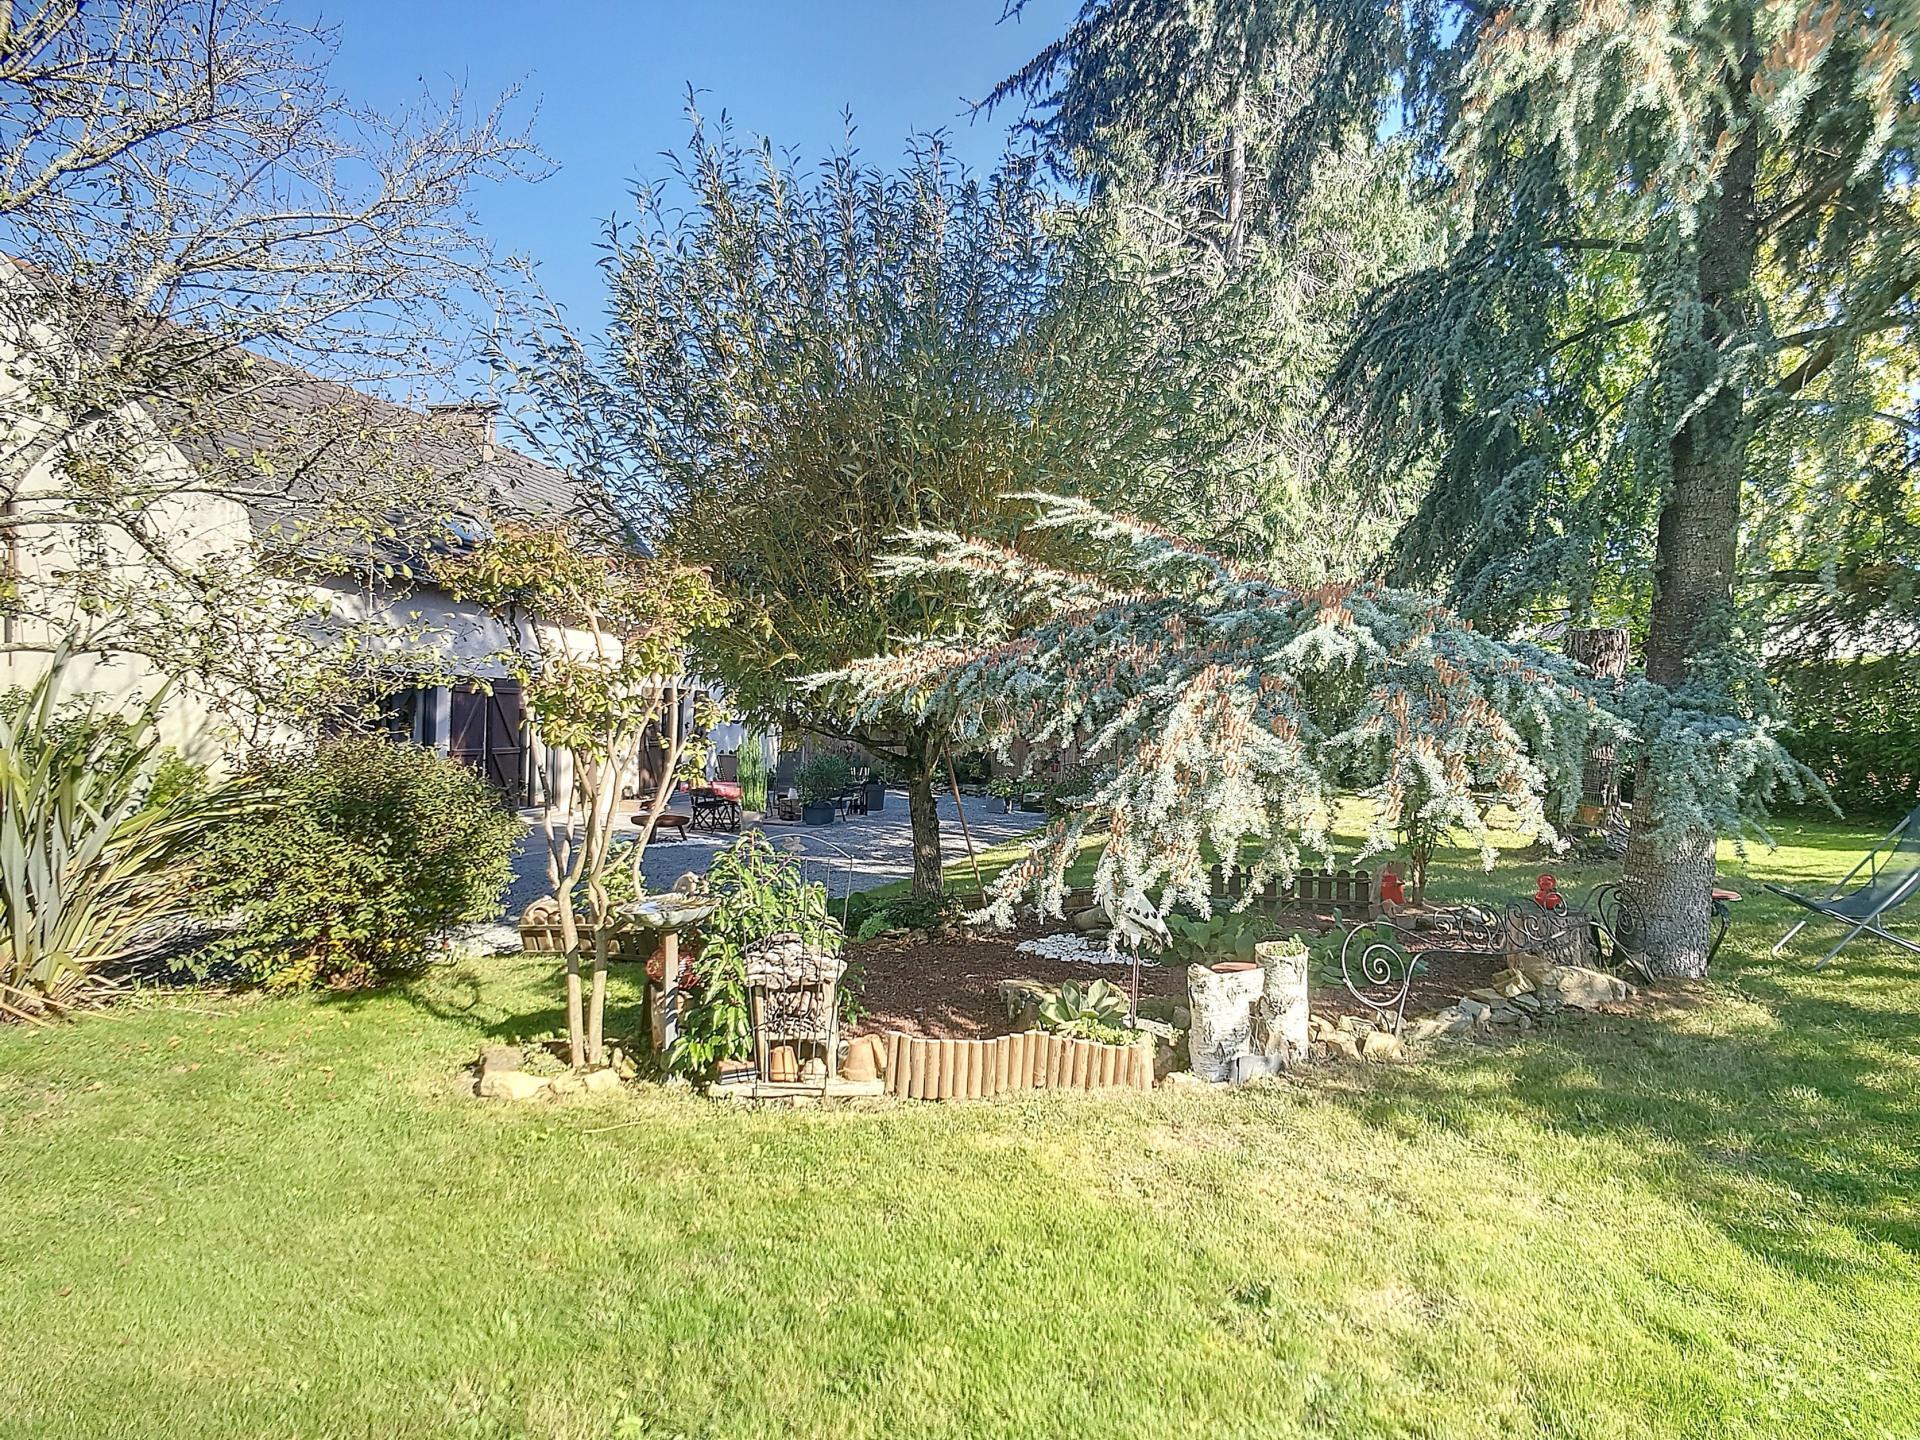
(1893, 878)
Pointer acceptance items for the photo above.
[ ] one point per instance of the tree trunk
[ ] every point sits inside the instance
(925, 818)
(1669, 883)
(1605, 652)
(1234, 178)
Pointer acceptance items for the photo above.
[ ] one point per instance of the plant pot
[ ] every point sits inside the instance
(876, 796)
(732, 1072)
(1233, 967)
(820, 813)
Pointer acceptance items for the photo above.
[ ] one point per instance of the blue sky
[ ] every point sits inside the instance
(609, 82)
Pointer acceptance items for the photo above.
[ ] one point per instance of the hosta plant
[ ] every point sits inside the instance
(1095, 1011)
(1223, 935)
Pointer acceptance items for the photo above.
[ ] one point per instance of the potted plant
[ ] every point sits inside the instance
(821, 780)
(874, 790)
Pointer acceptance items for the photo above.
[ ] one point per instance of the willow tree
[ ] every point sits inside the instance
(803, 363)
(1222, 713)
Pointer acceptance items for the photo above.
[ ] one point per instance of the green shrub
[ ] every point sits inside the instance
(370, 851)
(100, 833)
(823, 777)
(1223, 935)
(753, 773)
(1856, 724)
(758, 891)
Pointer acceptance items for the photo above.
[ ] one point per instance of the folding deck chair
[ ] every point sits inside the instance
(1893, 878)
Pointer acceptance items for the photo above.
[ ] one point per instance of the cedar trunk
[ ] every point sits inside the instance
(924, 817)
(1668, 879)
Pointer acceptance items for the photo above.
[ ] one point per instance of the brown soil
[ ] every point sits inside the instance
(1440, 980)
(944, 986)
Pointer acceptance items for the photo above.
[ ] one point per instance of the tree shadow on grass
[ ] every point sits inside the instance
(1792, 1117)
(458, 995)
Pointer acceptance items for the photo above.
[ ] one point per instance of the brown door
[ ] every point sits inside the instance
(485, 732)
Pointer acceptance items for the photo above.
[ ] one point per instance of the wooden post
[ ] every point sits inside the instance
(917, 1068)
(1001, 1047)
(943, 1090)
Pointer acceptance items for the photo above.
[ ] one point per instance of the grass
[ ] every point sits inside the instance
(244, 1216)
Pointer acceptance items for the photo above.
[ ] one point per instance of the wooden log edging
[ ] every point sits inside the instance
(923, 1069)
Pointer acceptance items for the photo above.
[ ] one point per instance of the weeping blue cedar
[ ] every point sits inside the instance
(1220, 713)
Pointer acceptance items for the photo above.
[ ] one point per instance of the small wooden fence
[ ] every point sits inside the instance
(1345, 892)
(922, 1069)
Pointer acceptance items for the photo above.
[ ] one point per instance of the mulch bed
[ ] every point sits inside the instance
(1439, 982)
(943, 986)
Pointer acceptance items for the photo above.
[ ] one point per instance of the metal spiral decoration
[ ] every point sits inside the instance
(1617, 930)
(1377, 969)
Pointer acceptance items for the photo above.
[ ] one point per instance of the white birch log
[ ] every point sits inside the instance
(1280, 1019)
(1222, 1027)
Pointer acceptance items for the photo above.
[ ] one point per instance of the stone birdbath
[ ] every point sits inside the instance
(667, 916)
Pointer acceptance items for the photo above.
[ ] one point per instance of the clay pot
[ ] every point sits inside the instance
(783, 1066)
(1234, 967)
(861, 1062)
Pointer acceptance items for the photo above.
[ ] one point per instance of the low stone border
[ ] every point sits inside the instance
(1517, 998)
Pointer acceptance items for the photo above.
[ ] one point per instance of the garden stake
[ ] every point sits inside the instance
(953, 780)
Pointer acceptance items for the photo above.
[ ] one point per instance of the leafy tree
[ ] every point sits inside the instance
(804, 365)
(601, 639)
(196, 223)
(1221, 713)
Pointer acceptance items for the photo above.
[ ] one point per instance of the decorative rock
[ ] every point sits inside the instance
(1354, 1025)
(1427, 1028)
(1340, 1043)
(495, 1059)
(600, 1082)
(1511, 983)
(1473, 1009)
(1582, 989)
(510, 1085)
(1091, 919)
(1022, 998)
(566, 1085)
(814, 1070)
(1381, 1046)
(1249, 1067)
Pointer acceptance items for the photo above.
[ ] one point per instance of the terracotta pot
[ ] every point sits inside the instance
(783, 1066)
(1234, 967)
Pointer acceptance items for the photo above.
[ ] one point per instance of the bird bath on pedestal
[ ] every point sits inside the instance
(668, 915)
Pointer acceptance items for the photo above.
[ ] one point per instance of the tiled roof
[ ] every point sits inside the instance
(342, 435)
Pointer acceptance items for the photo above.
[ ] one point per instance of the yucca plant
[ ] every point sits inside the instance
(94, 857)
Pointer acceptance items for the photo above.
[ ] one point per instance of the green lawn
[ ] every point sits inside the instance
(286, 1217)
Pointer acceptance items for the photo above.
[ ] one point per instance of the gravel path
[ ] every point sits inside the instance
(849, 855)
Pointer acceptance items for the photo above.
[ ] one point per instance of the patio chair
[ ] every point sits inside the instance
(1893, 878)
